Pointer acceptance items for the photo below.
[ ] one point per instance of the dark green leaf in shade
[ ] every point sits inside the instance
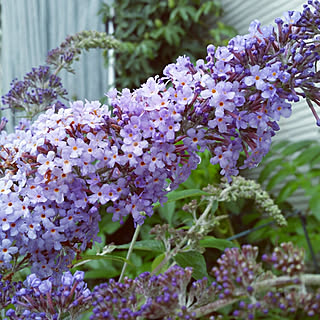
(195, 260)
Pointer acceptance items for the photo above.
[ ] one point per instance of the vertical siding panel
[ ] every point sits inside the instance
(33, 27)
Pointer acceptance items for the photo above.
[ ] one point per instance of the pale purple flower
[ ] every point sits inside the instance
(7, 250)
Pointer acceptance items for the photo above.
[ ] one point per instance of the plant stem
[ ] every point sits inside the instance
(305, 279)
(173, 252)
(133, 241)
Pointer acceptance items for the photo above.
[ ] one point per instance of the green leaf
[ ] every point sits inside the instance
(212, 242)
(107, 225)
(182, 194)
(315, 160)
(314, 204)
(171, 3)
(279, 145)
(91, 257)
(146, 245)
(313, 173)
(167, 211)
(306, 156)
(269, 169)
(279, 177)
(287, 190)
(183, 14)
(296, 146)
(102, 273)
(305, 183)
(157, 261)
(195, 260)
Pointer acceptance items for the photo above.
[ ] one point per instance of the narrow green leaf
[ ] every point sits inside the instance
(212, 242)
(307, 155)
(214, 208)
(279, 177)
(173, 13)
(296, 146)
(91, 257)
(306, 183)
(168, 35)
(269, 169)
(315, 160)
(313, 173)
(146, 245)
(287, 190)
(157, 261)
(314, 204)
(276, 146)
(107, 225)
(183, 14)
(101, 274)
(167, 211)
(182, 194)
(195, 260)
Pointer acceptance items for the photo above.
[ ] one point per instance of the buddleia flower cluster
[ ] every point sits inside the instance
(74, 163)
(146, 297)
(36, 92)
(276, 286)
(51, 298)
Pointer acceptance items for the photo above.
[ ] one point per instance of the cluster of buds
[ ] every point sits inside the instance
(242, 188)
(283, 288)
(287, 259)
(146, 297)
(240, 281)
(38, 91)
(51, 298)
(70, 49)
(7, 290)
(177, 240)
(58, 174)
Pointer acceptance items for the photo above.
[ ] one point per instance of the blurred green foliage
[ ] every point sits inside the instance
(155, 33)
(289, 170)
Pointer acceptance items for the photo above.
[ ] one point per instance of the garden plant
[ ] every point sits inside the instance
(69, 172)
(154, 33)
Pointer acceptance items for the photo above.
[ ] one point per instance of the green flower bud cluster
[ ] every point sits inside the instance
(241, 188)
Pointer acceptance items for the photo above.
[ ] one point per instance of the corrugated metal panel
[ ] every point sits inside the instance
(33, 27)
(301, 125)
